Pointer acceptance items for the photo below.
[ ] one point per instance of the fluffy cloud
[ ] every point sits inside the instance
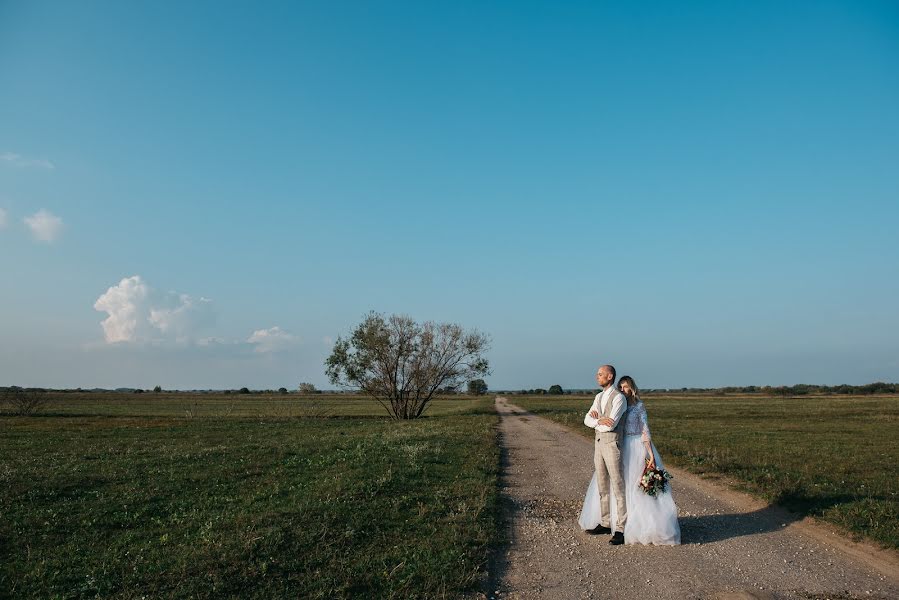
(138, 313)
(273, 339)
(44, 225)
(126, 305)
(20, 162)
(3, 219)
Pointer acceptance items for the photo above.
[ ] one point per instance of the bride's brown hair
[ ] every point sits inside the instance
(630, 382)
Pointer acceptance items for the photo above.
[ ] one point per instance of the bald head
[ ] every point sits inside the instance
(605, 376)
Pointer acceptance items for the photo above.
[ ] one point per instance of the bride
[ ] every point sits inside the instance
(650, 519)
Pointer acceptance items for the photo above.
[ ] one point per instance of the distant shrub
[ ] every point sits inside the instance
(157, 389)
(243, 390)
(477, 387)
(24, 402)
(282, 390)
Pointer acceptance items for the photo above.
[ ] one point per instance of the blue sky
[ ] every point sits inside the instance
(207, 194)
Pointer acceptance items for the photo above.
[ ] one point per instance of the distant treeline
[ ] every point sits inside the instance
(159, 390)
(801, 389)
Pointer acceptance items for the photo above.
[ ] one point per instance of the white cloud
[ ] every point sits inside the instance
(126, 305)
(20, 162)
(3, 219)
(273, 339)
(138, 314)
(44, 225)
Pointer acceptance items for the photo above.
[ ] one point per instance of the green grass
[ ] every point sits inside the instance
(139, 499)
(836, 458)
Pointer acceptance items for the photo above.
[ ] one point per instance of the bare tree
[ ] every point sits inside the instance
(306, 388)
(401, 363)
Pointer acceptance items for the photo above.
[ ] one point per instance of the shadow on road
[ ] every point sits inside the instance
(498, 562)
(704, 529)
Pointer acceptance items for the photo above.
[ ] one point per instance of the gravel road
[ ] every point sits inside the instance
(733, 547)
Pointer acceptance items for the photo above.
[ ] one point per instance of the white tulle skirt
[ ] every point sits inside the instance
(650, 519)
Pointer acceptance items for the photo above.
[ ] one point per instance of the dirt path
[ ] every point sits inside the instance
(733, 546)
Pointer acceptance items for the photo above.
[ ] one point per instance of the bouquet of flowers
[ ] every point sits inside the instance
(654, 481)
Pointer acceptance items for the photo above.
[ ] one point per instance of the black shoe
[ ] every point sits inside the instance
(598, 530)
(617, 539)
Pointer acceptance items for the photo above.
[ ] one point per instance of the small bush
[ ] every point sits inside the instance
(478, 387)
(24, 402)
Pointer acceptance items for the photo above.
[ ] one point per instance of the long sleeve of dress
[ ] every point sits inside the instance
(644, 425)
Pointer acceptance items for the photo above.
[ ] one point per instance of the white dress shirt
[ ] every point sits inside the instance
(619, 404)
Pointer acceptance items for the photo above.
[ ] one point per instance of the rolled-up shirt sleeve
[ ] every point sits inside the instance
(618, 406)
(588, 420)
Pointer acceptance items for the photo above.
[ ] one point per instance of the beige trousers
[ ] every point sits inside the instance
(607, 461)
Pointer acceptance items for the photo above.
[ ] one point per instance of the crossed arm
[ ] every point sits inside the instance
(609, 423)
(619, 404)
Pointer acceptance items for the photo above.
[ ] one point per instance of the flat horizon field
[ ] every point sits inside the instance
(224, 495)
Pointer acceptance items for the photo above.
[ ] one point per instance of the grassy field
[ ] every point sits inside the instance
(197, 405)
(831, 457)
(127, 495)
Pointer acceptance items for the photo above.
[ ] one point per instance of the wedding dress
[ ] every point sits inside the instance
(650, 519)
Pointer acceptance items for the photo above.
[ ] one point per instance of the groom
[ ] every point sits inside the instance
(608, 406)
